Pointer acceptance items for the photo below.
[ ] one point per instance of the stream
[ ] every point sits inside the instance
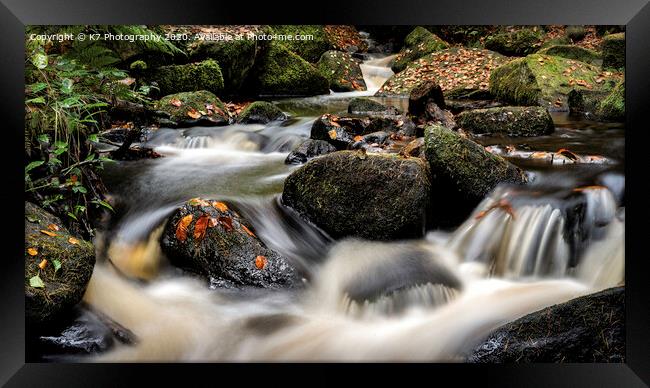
(362, 300)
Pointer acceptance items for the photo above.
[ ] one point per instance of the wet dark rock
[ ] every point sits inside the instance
(376, 137)
(463, 173)
(363, 105)
(422, 94)
(586, 329)
(414, 149)
(614, 51)
(228, 251)
(439, 116)
(189, 109)
(342, 71)
(508, 120)
(333, 192)
(465, 93)
(62, 289)
(309, 149)
(261, 112)
(457, 106)
(599, 105)
(340, 131)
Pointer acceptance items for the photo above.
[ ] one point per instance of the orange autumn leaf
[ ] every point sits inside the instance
(567, 153)
(212, 222)
(332, 134)
(200, 227)
(51, 234)
(226, 222)
(260, 262)
(73, 241)
(193, 113)
(181, 228)
(585, 188)
(222, 207)
(358, 138)
(248, 231)
(175, 102)
(32, 251)
(53, 227)
(42, 264)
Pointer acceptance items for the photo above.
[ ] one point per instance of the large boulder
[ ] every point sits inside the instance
(58, 267)
(614, 51)
(342, 71)
(599, 105)
(423, 93)
(586, 329)
(211, 239)
(351, 193)
(191, 77)
(193, 108)
(515, 43)
(546, 80)
(236, 58)
(573, 52)
(508, 120)
(309, 49)
(463, 173)
(612, 108)
(261, 112)
(280, 72)
(309, 149)
(417, 44)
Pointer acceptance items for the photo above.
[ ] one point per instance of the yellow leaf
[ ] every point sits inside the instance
(42, 264)
(51, 234)
(53, 227)
(181, 228)
(73, 241)
(193, 113)
(32, 251)
(332, 134)
(222, 207)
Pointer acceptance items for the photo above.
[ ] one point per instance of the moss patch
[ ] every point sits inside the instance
(511, 121)
(311, 49)
(614, 51)
(515, 43)
(573, 52)
(191, 108)
(612, 108)
(342, 71)
(204, 75)
(260, 112)
(417, 44)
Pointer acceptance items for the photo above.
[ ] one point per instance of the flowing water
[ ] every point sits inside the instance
(524, 248)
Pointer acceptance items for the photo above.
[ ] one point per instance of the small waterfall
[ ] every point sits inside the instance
(376, 72)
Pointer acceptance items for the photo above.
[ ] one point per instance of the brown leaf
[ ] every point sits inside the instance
(260, 262)
(175, 102)
(358, 138)
(53, 227)
(73, 241)
(566, 153)
(200, 227)
(212, 222)
(222, 207)
(181, 228)
(32, 251)
(226, 222)
(42, 264)
(248, 231)
(193, 113)
(51, 234)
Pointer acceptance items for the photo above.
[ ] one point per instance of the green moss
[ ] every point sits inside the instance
(559, 41)
(614, 51)
(417, 44)
(573, 52)
(280, 72)
(204, 75)
(261, 112)
(518, 43)
(342, 71)
(612, 108)
(311, 49)
(138, 65)
(198, 101)
(512, 121)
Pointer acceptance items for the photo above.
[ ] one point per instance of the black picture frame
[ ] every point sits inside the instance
(16, 14)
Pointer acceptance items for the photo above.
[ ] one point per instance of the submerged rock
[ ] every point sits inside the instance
(573, 52)
(309, 149)
(191, 77)
(509, 120)
(614, 51)
(546, 80)
(209, 238)
(342, 71)
(362, 105)
(261, 112)
(351, 193)
(58, 267)
(463, 173)
(280, 72)
(586, 329)
(193, 108)
(417, 44)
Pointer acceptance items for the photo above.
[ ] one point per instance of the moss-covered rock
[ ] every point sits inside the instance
(48, 242)
(612, 108)
(211, 239)
(363, 105)
(236, 58)
(586, 329)
(515, 43)
(309, 49)
(191, 77)
(280, 72)
(261, 112)
(342, 71)
(463, 173)
(575, 33)
(614, 51)
(417, 44)
(309, 149)
(573, 52)
(193, 108)
(546, 80)
(508, 120)
(351, 193)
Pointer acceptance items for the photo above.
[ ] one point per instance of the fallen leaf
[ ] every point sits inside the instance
(358, 138)
(260, 262)
(42, 264)
(181, 228)
(566, 153)
(32, 251)
(332, 134)
(57, 265)
(175, 102)
(36, 282)
(51, 234)
(198, 202)
(226, 222)
(193, 113)
(53, 227)
(200, 227)
(585, 188)
(212, 222)
(73, 241)
(222, 207)
(248, 231)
